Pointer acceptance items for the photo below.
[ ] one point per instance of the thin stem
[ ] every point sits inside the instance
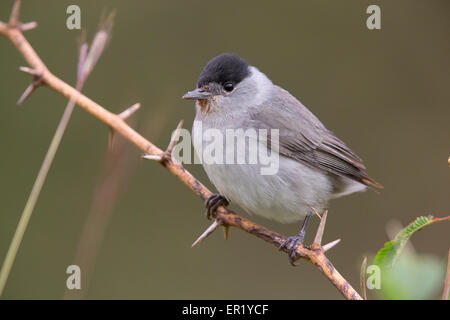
(363, 278)
(35, 192)
(446, 292)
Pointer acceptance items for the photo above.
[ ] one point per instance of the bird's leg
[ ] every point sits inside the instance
(213, 202)
(291, 243)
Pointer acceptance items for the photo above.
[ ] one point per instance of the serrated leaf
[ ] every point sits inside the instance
(388, 255)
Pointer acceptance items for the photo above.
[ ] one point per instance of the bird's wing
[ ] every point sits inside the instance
(304, 138)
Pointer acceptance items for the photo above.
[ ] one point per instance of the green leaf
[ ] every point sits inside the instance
(415, 277)
(388, 255)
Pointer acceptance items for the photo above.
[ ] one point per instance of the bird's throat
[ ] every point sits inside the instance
(204, 105)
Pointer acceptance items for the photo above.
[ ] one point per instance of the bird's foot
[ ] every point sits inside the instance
(291, 244)
(213, 202)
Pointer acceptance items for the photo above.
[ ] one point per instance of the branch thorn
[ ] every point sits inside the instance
(128, 112)
(37, 81)
(174, 139)
(167, 155)
(320, 230)
(123, 115)
(30, 71)
(207, 232)
(330, 245)
(28, 26)
(152, 157)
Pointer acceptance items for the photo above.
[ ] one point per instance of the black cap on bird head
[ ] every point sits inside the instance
(226, 67)
(226, 70)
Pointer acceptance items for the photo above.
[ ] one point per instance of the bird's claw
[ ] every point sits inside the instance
(291, 244)
(213, 202)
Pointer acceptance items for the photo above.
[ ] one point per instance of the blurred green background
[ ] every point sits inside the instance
(385, 93)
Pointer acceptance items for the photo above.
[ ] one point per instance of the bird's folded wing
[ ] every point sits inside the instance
(304, 138)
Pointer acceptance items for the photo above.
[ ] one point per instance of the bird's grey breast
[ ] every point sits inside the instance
(285, 196)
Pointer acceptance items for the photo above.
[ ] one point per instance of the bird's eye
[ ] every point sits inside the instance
(228, 86)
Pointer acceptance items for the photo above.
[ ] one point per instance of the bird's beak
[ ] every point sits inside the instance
(196, 94)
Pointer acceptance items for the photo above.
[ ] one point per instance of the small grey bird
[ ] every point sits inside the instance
(314, 165)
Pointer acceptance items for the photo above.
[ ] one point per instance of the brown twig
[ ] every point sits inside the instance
(314, 254)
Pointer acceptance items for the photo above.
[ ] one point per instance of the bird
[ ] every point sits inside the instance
(314, 165)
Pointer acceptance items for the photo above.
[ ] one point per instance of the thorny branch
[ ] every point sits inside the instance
(13, 31)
